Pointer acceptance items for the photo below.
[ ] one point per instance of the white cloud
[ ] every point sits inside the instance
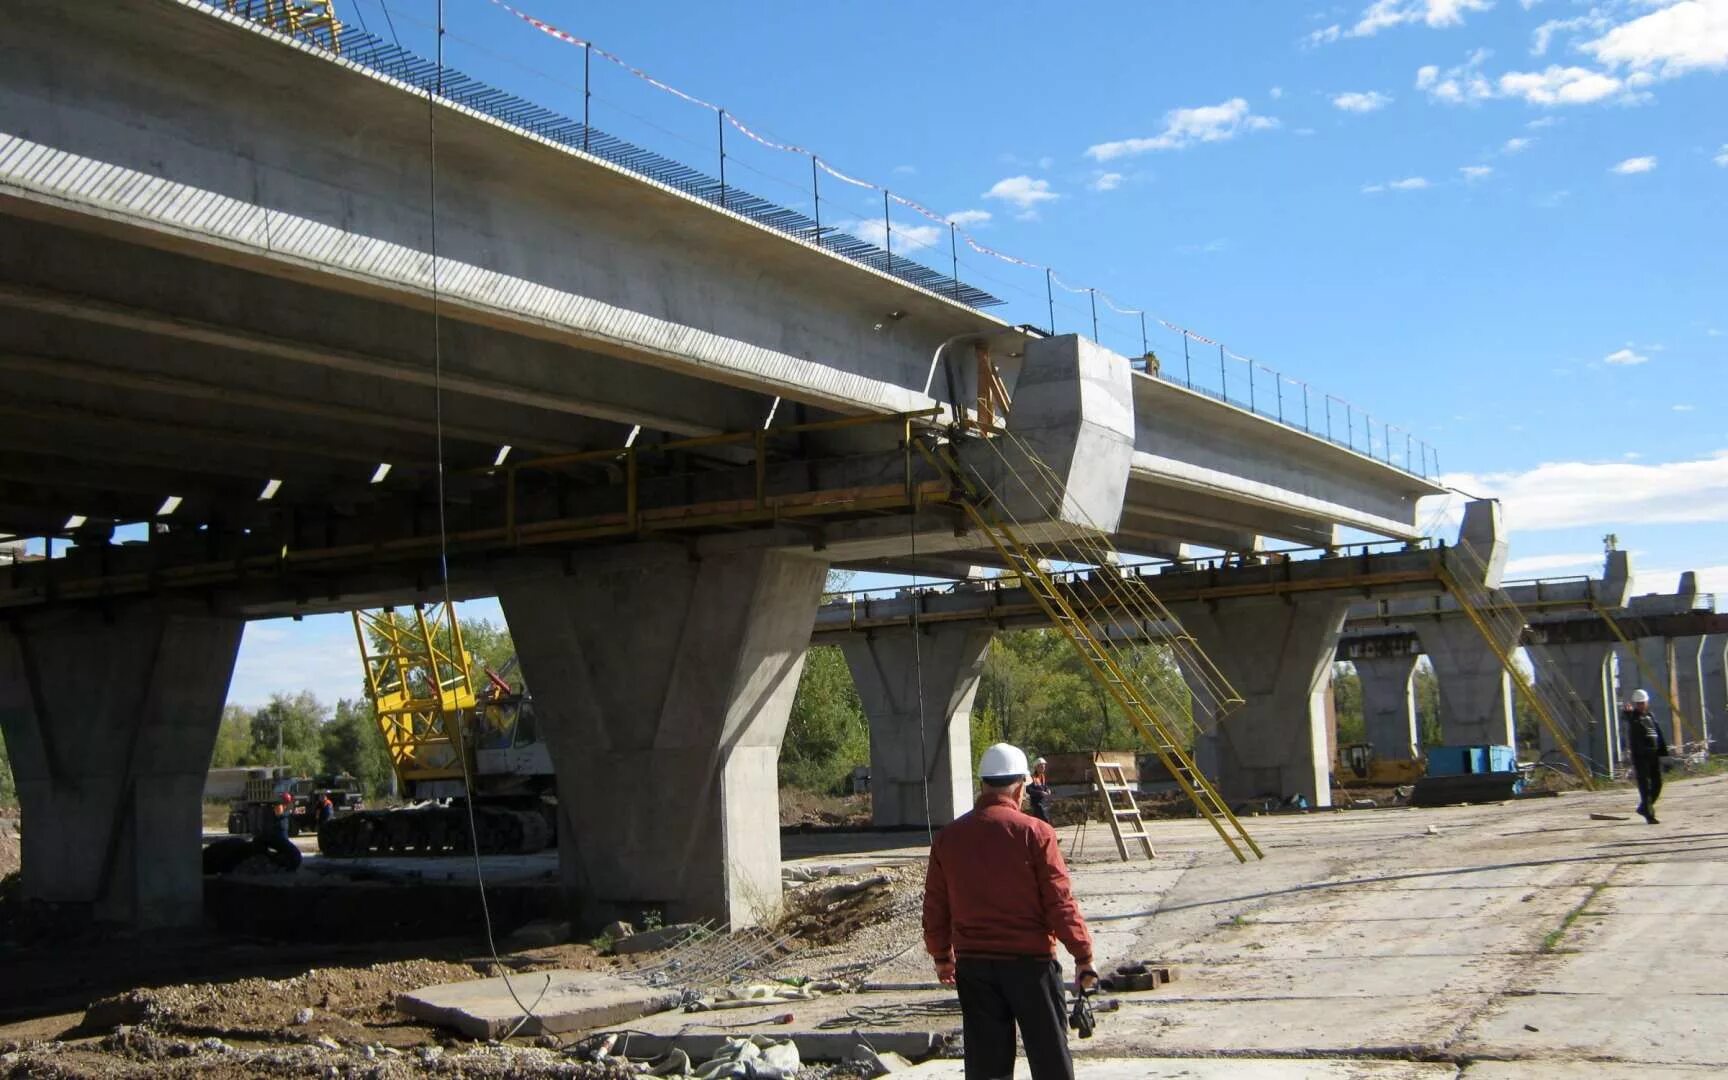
(1408, 183)
(1688, 36)
(1476, 172)
(1721, 157)
(1022, 192)
(1634, 165)
(1563, 495)
(905, 170)
(1275, 93)
(1542, 122)
(904, 237)
(1516, 146)
(1544, 564)
(1382, 14)
(1545, 34)
(1557, 85)
(1109, 181)
(1684, 408)
(965, 218)
(1359, 102)
(1185, 127)
(1458, 85)
(1625, 358)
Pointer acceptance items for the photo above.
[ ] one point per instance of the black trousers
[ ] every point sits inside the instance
(1648, 769)
(997, 995)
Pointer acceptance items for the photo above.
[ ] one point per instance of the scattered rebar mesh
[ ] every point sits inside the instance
(708, 959)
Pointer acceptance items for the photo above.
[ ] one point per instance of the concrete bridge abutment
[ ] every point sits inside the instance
(662, 682)
(110, 717)
(1277, 655)
(917, 693)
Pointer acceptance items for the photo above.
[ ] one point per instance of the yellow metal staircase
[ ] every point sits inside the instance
(1099, 612)
(1497, 618)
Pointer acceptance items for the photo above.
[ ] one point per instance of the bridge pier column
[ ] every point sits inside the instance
(1277, 655)
(1649, 665)
(1475, 690)
(1713, 665)
(1586, 670)
(1389, 706)
(662, 683)
(904, 760)
(110, 718)
(1689, 687)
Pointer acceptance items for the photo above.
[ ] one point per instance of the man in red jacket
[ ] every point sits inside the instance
(996, 901)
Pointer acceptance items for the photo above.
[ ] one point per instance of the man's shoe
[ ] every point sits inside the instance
(1651, 818)
(1642, 809)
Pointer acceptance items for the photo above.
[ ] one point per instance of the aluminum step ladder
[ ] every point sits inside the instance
(1125, 821)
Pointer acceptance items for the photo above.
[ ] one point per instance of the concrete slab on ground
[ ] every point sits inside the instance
(560, 1001)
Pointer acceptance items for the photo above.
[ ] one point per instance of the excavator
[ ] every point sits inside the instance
(467, 757)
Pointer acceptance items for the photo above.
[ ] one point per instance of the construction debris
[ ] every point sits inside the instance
(654, 940)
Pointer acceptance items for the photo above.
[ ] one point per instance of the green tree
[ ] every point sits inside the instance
(353, 744)
(287, 731)
(490, 645)
(827, 734)
(8, 786)
(1428, 704)
(234, 739)
(1347, 705)
(1036, 693)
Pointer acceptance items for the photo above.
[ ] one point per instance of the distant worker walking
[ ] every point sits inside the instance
(996, 901)
(1038, 792)
(1647, 747)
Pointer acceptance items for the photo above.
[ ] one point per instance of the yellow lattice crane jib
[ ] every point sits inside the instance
(419, 678)
(312, 20)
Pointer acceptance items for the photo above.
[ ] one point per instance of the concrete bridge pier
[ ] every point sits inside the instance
(663, 677)
(1594, 708)
(110, 717)
(1689, 686)
(904, 760)
(1649, 665)
(1475, 690)
(1713, 664)
(1277, 654)
(1389, 706)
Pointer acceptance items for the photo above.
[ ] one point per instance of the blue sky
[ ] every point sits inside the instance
(1499, 224)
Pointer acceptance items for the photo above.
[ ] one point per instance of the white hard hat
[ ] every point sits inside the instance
(1003, 762)
(1039, 762)
(1640, 696)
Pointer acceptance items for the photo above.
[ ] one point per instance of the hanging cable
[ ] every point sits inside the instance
(917, 642)
(432, 97)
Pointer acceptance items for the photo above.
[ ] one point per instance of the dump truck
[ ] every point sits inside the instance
(254, 809)
(462, 741)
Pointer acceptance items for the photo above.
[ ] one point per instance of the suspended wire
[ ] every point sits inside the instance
(432, 98)
(917, 652)
(388, 21)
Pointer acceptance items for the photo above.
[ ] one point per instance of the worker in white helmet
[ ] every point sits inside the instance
(996, 902)
(1038, 792)
(1647, 747)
